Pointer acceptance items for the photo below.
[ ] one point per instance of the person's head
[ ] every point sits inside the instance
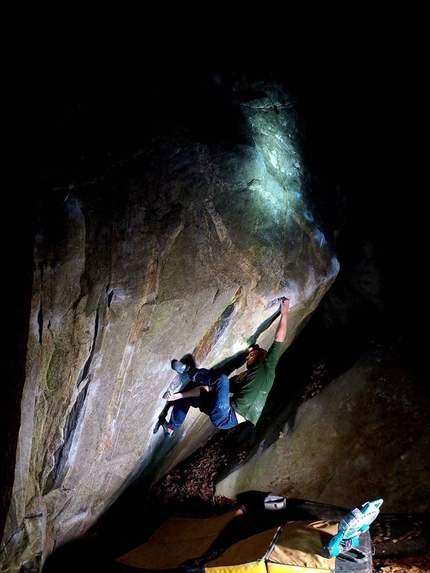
(255, 355)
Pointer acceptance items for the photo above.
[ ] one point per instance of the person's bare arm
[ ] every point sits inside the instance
(281, 331)
(193, 393)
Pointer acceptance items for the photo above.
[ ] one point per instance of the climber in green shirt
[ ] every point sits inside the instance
(229, 402)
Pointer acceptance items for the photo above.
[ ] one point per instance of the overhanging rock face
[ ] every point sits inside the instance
(182, 247)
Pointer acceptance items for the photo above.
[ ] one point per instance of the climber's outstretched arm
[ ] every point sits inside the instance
(281, 331)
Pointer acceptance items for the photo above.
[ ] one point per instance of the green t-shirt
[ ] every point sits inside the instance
(252, 391)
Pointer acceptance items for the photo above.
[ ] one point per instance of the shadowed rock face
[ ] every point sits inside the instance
(182, 246)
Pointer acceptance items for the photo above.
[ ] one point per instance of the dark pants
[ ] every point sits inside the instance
(215, 403)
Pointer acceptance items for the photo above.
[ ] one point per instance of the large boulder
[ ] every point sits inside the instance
(364, 436)
(183, 245)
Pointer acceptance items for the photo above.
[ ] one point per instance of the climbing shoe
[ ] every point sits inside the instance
(274, 502)
(166, 433)
(180, 367)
